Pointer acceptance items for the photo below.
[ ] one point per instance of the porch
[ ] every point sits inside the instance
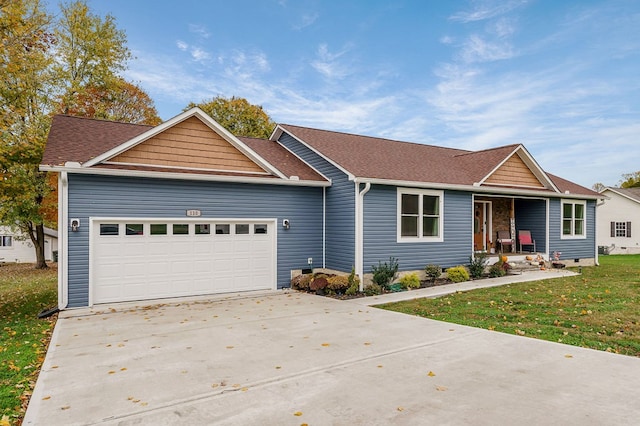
(500, 225)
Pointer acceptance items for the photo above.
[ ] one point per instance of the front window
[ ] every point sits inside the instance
(419, 215)
(573, 219)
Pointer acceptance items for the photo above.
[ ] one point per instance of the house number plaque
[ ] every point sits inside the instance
(194, 213)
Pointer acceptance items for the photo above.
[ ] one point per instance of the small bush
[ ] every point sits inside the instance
(458, 274)
(338, 283)
(318, 284)
(396, 287)
(385, 273)
(354, 283)
(477, 264)
(372, 290)
(301, 282)
(432, 272)
(410, 281)
(497, 270)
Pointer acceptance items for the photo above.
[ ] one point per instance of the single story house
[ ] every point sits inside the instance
(616, 215)
(18, 248)
(186, 208)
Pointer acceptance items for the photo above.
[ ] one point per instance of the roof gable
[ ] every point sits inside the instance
(191, 140)
(189, 144)
(632, 194)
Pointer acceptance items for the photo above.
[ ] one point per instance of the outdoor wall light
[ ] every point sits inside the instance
(285, 223)
(75, 224)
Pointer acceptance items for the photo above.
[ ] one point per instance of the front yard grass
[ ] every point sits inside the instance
(599, 309)
(24, 292)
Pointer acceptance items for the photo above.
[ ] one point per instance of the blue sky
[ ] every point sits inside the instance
(560, 77)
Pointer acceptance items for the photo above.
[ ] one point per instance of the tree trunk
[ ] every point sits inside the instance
(37, 238)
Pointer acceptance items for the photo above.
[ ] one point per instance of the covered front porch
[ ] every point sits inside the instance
(501, 225)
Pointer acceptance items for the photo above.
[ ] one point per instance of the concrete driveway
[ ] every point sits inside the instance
(286, 358)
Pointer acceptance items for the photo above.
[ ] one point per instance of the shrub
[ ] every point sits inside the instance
(458, 274)
(301, 282)
(354, 283)
(410, 281)
(318, 283)
(338, 283)
(477, 264)
(496, 270)
(372, 290)
(432, 272)
(385, 273)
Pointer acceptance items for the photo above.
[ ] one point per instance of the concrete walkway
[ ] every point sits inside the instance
(288, 358)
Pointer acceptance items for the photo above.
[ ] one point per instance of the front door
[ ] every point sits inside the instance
(481, 212)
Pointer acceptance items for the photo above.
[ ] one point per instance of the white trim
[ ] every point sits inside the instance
(548, 228)
(94, 220)
(400, 191)
(324, 227)
(476, 189)
(279, 130)
(183, 176)
(573, 236)
(207, 120)
(487, 212)
(63, 240)
(200, 169)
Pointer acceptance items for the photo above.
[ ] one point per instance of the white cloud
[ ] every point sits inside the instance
(487, 9)
(328, 63)
(447, 39)
(476, 49)
(182, 45)
(199, 30)
(199, 55)
(306, 20)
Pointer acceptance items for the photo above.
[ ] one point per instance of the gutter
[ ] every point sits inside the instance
(183, 176)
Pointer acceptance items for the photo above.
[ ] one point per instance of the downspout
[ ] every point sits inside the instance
(359, 268)
(547, 231)
(63, 246)
(324, 227)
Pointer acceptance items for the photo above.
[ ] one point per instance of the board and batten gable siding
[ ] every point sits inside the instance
(380, 232)
(108, 196)
(579, 248)
(340, 207)
(531, 215)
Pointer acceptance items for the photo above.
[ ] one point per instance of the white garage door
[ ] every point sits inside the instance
(148, 259)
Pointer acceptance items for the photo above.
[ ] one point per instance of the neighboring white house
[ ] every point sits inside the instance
(617, 216)
(18, 248)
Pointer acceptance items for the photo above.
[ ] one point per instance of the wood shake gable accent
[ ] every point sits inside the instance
(189, 141)
(514, 172)
(190, 144)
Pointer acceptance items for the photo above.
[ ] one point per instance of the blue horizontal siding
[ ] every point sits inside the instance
(104, 196)
(380, 232)
(340, 205)
(583, 248)
(531, 215)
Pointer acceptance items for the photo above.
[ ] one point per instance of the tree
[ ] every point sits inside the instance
(24, 98)
(630, 180)
(48, 67)
(238, 116)
(119, 101)
(598, 186)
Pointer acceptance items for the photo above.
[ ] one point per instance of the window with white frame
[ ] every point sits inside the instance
(420, 215)
(573, 219)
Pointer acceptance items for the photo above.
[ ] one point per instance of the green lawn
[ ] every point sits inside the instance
(24, 292)
(599, 309)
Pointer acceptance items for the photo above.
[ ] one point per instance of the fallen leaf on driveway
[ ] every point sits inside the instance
(568, 356)
(431, 374)
(325, 344)
(297, 413)
(46, 397)
(441, 388)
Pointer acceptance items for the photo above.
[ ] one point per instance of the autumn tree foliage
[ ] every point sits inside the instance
(630, 180)
(238, 116)
(49, 66)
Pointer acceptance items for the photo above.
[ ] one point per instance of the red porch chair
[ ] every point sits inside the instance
(524, 238)
(504, 239)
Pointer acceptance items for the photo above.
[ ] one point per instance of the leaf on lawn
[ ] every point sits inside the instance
(520, 332)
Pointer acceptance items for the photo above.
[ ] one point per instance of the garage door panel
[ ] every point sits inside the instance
(137, 267)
